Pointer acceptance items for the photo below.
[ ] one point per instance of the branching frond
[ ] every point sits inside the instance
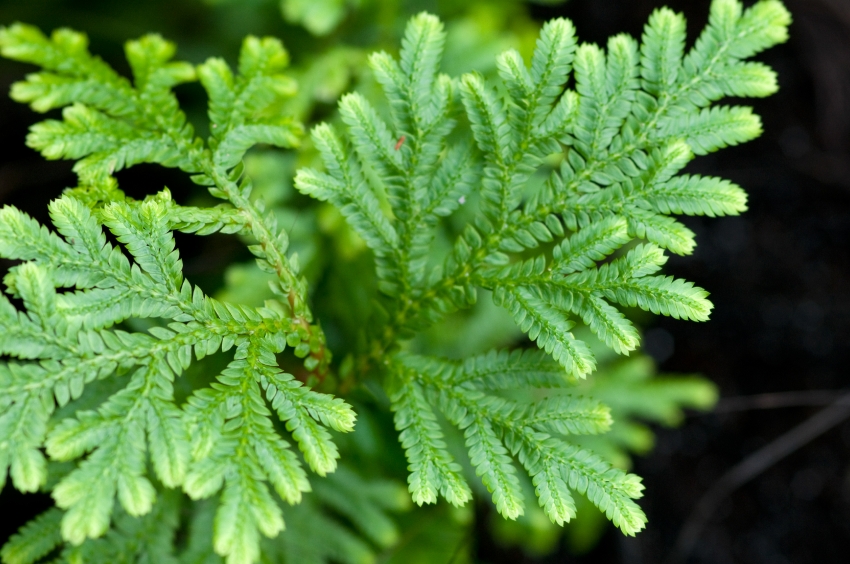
(66, 341)
(497, 429)
(639, 114)
(569, 197)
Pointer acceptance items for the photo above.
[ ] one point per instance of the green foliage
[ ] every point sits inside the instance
(126, 384)
(223, 438)
(635, 396)
(318, 17)
(637, 117)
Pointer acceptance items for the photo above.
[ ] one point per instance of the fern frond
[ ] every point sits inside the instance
(110, 124)
(714, 128)
(241, 108)
(349, 192)
(568, 250)
(550, 66)
(698, 195)
(233, 444)
(496, 428)
(433, 472)
(592, 243)
(421, 51)
(510, 370)
(76, 75)
(637, 117)
(547, 324)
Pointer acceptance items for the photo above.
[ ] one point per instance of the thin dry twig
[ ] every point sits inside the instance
(803, 398)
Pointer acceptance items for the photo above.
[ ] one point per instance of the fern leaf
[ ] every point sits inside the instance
(662, 49)
(548, 327)
(374, 144)
(608, 324)
(662, 230)
(590, 244)
(752, 80)
(77, 76)
(346, 188)
(240, 107)
(110, 123)
(146, 236)
(732, 34)
(609, 489)
(568, 415)
(750, 31)
(169, 442)
(606, 86)
(433, 472)
(117, 466)
(697, 195)
(488, 120)
(553, 494)
(714, 129)
(510, 369)
(141, 419)
(23, 425)
(550, 65)
(246, 509)
(664, 295)
(495, 468)
(421, 50)
(495, 427)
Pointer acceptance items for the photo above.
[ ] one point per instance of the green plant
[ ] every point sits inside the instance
(557, 201)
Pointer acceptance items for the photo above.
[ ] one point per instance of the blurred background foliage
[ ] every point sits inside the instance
(328, 41)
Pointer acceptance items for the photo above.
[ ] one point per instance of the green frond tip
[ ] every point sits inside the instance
(73, 74)
(432, 469)
(110, 123)
(421, 51)
(498, 431)
(245, 109)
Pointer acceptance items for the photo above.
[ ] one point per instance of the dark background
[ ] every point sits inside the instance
(779, 277)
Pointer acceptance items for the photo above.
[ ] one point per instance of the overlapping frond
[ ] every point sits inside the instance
(498, 430)
(110, 123)
(571, 250)
(317, 529)
(63, 342)
(637, 117)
